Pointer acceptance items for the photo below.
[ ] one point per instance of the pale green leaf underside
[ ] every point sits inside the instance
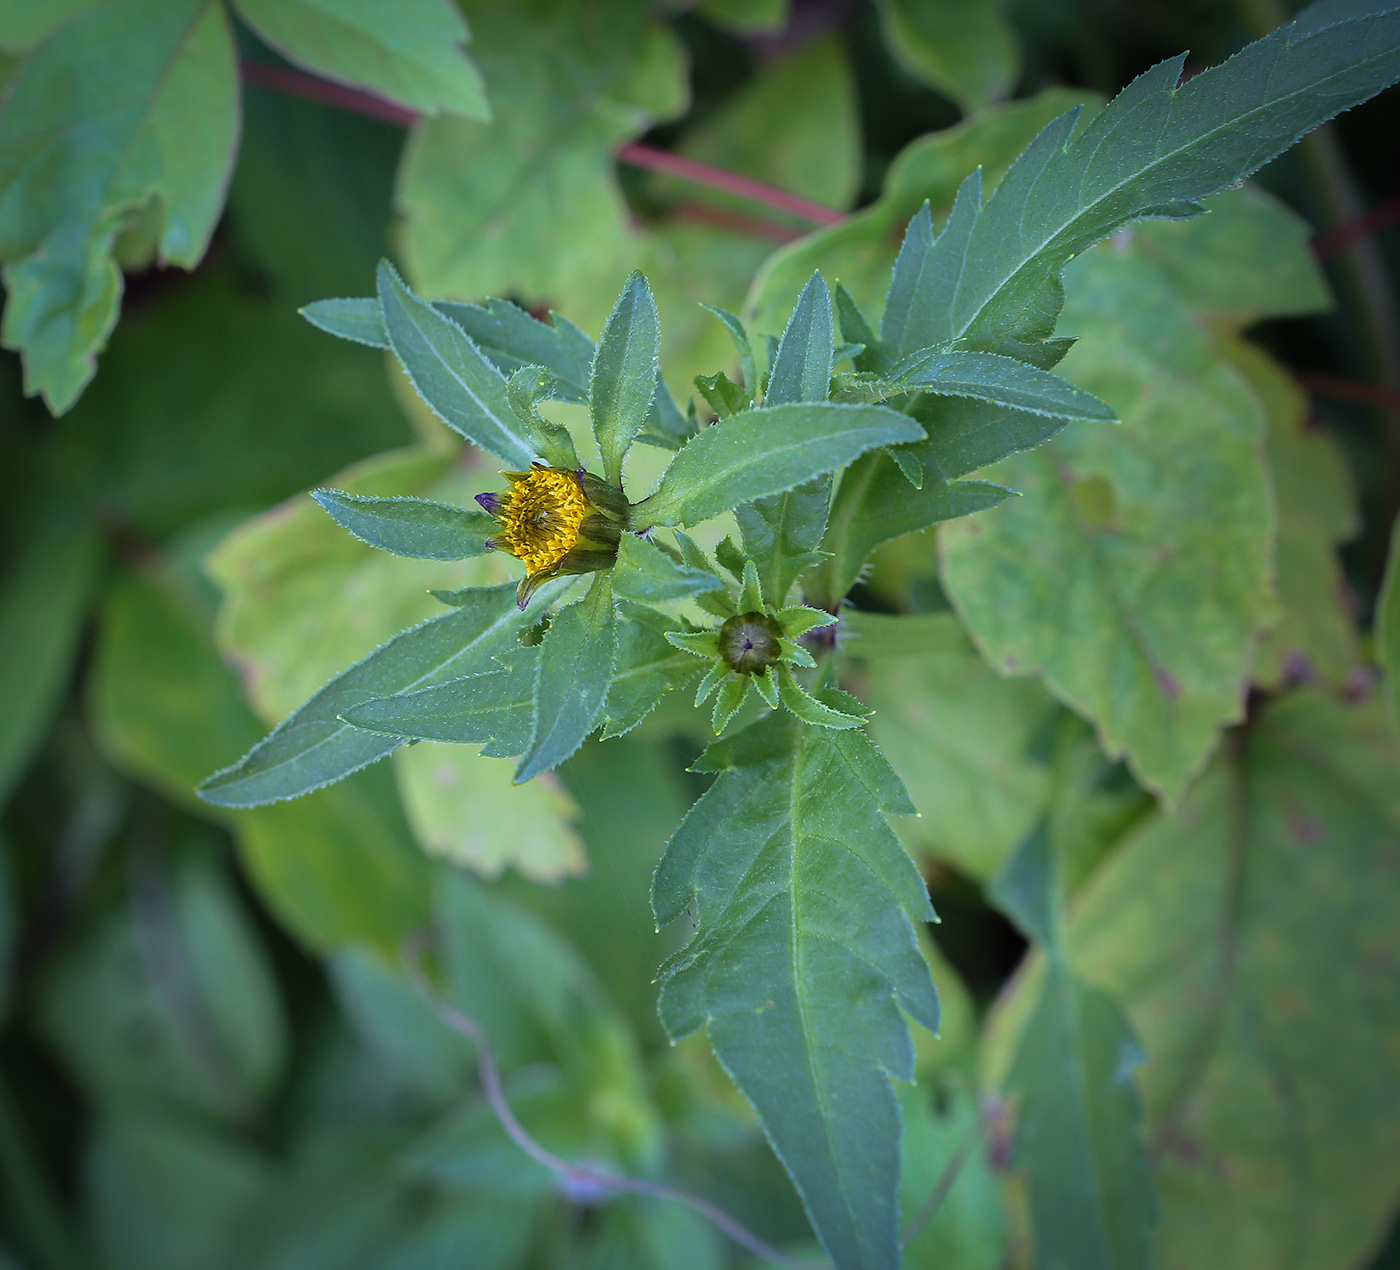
(803, 898)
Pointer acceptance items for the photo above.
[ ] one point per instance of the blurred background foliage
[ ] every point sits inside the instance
(211, 1056)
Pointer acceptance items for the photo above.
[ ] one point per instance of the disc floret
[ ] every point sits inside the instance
(556, 521)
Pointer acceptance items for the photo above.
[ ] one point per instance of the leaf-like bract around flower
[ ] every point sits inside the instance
(804, 900)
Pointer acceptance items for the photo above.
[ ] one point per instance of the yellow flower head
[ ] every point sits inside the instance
(556, 521)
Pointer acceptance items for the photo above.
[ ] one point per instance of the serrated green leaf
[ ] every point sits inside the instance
(314, 746)
(132, 105)
(622, 382)
(495, 705)
(801, 370)
(962, 737)
(1159, 146)
(1251, 937)
(646, 574)
(747, 366)
(875, 503)
(575, 667)
(724, 396)
(510, 337)
(648, 666)
(526, 388)
(781, 975)
(410, 53)
(768, 450)
(414, 527)
(968, 52)
(860, 250)
(1110, 540)
(807, 708)
(450, 373)
(782, 533)
(1003, 381)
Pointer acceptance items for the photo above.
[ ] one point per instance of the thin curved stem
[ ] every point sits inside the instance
(951, 1171)
(578, 1180)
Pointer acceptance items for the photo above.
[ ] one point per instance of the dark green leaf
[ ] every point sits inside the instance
(765, 451)
(1003, 381)
(450, 373)
(409, 53)
(415, 527)
(968, 52)
(1159, 146)
(496, 706)
(782, 534)
(648, 575)
(747, 367)
(315, 746)
(801, 370)
(1388, 625)
(875, 503)
(576, 664)
(647, 667)
(724, 396)
(783, 973)
(622, 383)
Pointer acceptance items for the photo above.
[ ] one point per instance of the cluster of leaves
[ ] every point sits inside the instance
(1180, 1022)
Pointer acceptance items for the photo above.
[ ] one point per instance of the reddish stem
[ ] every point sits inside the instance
(314, 88)
(1350, 390)
(1339, 239)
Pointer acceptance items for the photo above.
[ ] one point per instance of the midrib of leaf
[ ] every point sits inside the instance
(1086, 213)
(647, 668)
(838, 1163)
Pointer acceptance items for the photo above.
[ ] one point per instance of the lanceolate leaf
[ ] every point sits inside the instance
(509, 336)
(496, 705)
(647, 667)
(1078, 1119)
(875, 503)
(1159, 146)
(767, 451)
(576, 664)
(804, 898)
(782, 532)
(623, 380)
(315, 746)
(450, 373)
(416, 527)
(1003, 381)
(646, 574)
